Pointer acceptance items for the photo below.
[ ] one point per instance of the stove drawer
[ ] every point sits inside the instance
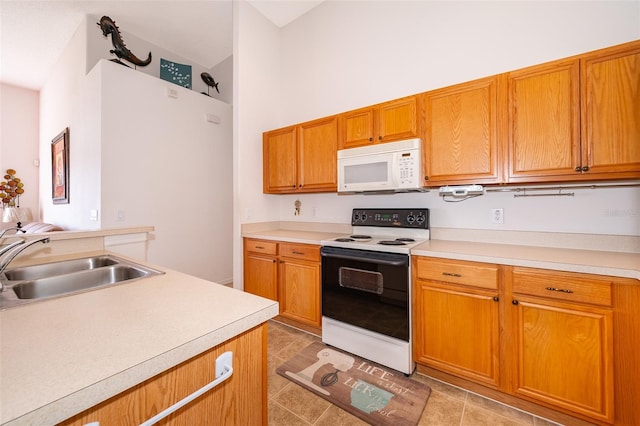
(457, 271)
(300, 251)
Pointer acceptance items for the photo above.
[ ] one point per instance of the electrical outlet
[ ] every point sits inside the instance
(497, 216)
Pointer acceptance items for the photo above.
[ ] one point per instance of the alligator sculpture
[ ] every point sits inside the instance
(108, 26)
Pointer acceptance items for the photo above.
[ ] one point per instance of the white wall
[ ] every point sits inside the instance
(19, 140)
(256, 106)
(349, 54)
(66, 100)
(164, 165)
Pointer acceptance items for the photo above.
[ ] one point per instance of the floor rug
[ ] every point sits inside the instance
(376, 394)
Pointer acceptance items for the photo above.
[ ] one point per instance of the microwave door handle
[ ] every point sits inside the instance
(399, 262)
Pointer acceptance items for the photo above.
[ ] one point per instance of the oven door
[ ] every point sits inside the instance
(367, 289)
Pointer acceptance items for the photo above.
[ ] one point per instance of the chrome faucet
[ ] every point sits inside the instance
(14, 249)
(17, 228)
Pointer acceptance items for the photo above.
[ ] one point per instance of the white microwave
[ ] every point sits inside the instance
(385, 167)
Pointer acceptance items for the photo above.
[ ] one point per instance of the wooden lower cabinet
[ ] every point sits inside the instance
(456, 326)
(288, 273)
(261, 268)
(241, 399)
(559, 344)
(565, 356)
(563, 329)
(299, 291)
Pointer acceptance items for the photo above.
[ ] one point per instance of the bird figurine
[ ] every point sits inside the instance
(210, 82)
(108, 26)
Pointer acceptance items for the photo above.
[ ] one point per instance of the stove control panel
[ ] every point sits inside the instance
(392, 218)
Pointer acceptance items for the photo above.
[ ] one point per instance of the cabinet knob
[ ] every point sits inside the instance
(379, 138)
(294, 186)
(578, 169)
(370, 139)
(496, 299)
(514, 302)
(585, 169)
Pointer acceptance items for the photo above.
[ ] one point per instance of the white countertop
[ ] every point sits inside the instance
(626, 265)
(295, 236)
(62, 356)
(618, 264)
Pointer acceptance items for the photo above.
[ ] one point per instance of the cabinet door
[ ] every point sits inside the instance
(457, 331)
(261, 276)
(398, 119)
(462, 132)
(544, 123)
(611, 112)
(279, 160)
(565, 356)
(317, 151)
(300, 291)
(357, 128)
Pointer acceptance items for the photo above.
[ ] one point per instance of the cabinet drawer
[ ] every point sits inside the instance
(562, 286)
(457, 271)
(261, 246)
(300, 251)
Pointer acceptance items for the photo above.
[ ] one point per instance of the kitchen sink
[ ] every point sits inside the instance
(58, 268)
(42, 282)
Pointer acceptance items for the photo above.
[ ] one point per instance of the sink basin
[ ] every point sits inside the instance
(68, 283)
(58, 268)
(42, 282)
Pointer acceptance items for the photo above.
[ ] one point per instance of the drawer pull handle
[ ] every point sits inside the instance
(451, 274)
(260, 247)
(297, 252)
(561, 290)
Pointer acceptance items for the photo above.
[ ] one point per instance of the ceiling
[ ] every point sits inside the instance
(34, 33)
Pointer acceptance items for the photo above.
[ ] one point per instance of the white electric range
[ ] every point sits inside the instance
(366, 285)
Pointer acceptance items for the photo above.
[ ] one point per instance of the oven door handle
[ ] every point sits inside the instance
(398, 262)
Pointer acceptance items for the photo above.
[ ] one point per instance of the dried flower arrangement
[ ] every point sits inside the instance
(11, 189)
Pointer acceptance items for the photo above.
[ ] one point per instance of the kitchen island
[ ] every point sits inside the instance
(60, 357)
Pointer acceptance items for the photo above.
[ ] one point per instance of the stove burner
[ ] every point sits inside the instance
(391, 243)
(344, 240)
(361, 237)
(408, 240)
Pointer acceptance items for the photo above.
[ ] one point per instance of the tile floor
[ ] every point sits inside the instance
(291, 405)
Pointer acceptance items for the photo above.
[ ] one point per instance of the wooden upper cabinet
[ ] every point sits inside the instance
(357, 128)
(611, 111)
(301, 158)
(576, 119)
(317, 155)
(544, 122)
(386, 122)
(398, 119)
(279, 148)
(462, 132)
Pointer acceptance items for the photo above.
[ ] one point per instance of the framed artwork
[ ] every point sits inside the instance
(60, 168)
(175, 73)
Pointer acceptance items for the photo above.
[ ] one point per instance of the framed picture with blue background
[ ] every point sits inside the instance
(176, 73)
